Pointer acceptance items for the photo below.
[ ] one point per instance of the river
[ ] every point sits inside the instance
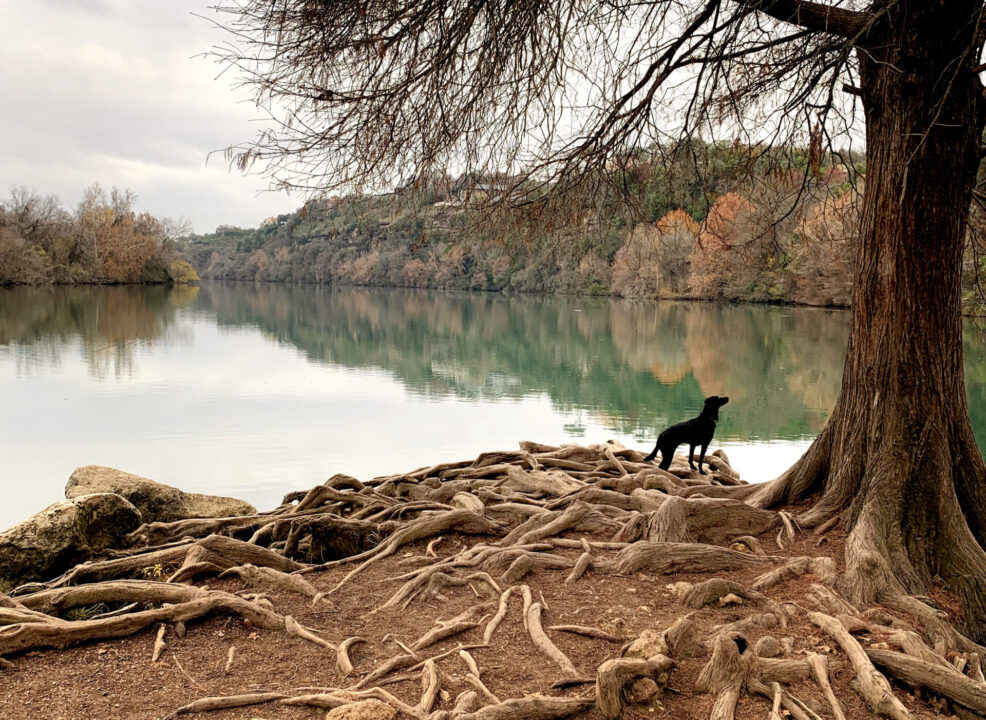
(257, 390)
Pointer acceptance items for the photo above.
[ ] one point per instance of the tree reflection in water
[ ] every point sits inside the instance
(257, 389)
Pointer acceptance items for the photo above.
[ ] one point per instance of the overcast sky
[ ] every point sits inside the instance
(109, 91)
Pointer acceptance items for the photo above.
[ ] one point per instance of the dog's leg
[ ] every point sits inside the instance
(666, 456)
(691, 456)
(701, 459)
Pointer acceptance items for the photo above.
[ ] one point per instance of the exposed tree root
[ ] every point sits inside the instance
(946, 681)
(821, 567)
(869, 683)
(819, 671)
(581, 565)
(559, 511)
(533, 707)
(666, 558)
(319, 700)
(614, 675)
(292, 627)
(230, 701)
(159, 644)
(531, 562)
(273, 579)
(343, 662)
(231, 551)
(749, 542)
(543, 642)
(709, 520)
(500, 613)
(456, 625)
(725, 675)
(473, 678)
(398, 662)
(714, 590)
(775, 708)
(789, 702)
(481, 689)
(230, 659)
(62, 633)
(586, 632)
(461, 520)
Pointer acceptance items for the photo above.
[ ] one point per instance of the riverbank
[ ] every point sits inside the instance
(541, 583)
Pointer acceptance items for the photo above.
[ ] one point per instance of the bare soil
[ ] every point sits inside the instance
(115, 679)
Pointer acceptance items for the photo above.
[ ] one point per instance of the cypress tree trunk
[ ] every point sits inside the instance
(898, 456)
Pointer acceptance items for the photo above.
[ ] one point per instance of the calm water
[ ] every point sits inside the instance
(253, 391)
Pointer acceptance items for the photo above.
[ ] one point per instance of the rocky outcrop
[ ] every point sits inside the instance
(157, 502)
(62, 535)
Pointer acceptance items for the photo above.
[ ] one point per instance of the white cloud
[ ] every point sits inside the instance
(118, 92)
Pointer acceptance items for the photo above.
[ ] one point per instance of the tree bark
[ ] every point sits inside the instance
(897, 457)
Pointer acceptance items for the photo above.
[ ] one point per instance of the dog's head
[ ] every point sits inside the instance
(715, 402)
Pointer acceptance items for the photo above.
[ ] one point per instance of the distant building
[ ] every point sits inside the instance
(475, 188)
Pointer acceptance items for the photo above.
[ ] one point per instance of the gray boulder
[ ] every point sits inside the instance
(62, 535)
(156, 502)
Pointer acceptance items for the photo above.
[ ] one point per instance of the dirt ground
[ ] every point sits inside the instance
(116, 680)
(590, 494)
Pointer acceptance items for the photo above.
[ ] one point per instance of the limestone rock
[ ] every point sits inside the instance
(363, 710)
(157, 502)
(647, 644)
(62, 535)
(768, 647)
(642, 691)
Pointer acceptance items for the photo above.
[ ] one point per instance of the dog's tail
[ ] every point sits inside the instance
(653, 454)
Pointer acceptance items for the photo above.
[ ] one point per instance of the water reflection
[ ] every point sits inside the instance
(38, 325)
(253, 390)
(634, 364)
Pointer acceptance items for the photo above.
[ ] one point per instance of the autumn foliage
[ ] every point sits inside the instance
(784, 235)
(105, 240)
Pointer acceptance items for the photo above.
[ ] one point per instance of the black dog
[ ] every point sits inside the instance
(695, 432)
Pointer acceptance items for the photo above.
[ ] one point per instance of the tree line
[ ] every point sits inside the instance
(706, 229)
(103, 240)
